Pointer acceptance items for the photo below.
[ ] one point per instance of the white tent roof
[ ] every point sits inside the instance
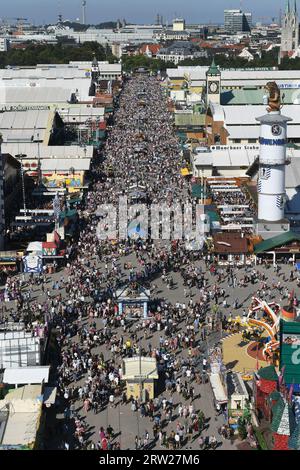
(218, 388)
(31, 119)
(245, 115)
(38, 95)
(35, 246)
(32, 151)
(79, 164)
(26, 375)
(144, 367)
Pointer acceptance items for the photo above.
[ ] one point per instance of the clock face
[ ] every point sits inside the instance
(213, 87)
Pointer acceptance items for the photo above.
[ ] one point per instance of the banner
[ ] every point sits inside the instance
(33, 264)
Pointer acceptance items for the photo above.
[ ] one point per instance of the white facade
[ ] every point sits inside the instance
(175, 58)
(19, 349)
(130, 33)
(178, 24)
(4, 43)
(271, 183)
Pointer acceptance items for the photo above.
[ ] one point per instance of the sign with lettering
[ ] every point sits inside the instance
(285, 86)
(278, 142)
(26, 108)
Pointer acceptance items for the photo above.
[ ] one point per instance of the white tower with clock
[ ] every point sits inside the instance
(213, 84)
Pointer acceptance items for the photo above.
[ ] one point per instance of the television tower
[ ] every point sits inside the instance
(83, 11)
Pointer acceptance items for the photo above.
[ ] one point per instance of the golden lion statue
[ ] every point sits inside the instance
(273, 91)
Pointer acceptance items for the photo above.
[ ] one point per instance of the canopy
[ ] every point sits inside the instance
(185, 172)
(26, 375)
(50, 395)
(136, 231)
(35, 246)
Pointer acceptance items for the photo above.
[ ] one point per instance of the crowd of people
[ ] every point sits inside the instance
(92, 335)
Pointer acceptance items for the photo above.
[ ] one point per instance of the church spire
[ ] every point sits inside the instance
(287, 7)
(295, 7)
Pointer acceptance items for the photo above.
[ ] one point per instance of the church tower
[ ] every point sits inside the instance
(213, 84)
(289, 30)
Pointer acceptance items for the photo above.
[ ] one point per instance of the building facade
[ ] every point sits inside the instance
(4, 43)
(236, 21)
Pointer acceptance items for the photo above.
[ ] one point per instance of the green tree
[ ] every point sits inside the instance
(55, 54)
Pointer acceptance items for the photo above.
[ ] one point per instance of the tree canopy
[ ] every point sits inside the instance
(133, 62)
(55, 54)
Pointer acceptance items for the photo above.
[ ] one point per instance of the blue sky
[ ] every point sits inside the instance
(138, 11)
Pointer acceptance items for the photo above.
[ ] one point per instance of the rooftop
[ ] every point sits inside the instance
(280, 240)
(136, 367)
(230, 243)
(26, 375)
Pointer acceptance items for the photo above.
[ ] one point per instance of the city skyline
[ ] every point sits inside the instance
(47, 11)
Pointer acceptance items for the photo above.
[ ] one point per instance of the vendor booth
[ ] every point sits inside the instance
(238, 398)
(140, 374)
(133, 301)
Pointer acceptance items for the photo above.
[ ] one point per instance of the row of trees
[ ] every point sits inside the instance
(63, 53)
(133, 62)
(268, 59)
(55, 54)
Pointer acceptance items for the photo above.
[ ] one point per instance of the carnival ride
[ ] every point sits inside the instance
(270, 324)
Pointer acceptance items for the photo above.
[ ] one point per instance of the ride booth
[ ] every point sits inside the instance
(238, 398)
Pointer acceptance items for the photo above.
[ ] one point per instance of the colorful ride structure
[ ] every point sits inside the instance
(270, 324)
